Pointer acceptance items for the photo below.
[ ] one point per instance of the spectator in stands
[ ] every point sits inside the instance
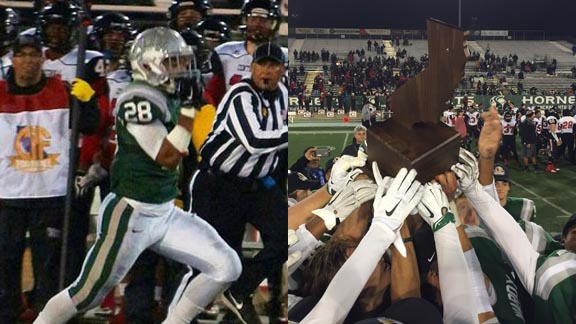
(574, 49)
(359, 137)
(307, 101)
(329, 100)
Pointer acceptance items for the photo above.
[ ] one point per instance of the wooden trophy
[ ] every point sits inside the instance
(415, 137)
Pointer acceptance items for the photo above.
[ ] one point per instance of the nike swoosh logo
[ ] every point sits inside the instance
(432, 257)
(428, 209)
(136, 231)
(389, 213)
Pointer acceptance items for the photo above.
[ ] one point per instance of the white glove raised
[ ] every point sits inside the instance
(345, 202)
(85, 182)
(434, 208)
(381, 182)
(403, 194)
(395, 199)
(466, 170)
(344, 171)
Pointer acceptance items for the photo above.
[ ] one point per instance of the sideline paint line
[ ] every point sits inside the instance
(345, 141)
(543, 199)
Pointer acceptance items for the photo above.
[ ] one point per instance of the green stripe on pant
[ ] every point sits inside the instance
(101, 258)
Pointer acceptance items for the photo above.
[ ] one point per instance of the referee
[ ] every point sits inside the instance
(235, 185)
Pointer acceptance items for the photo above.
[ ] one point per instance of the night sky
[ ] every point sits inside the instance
(553, 16)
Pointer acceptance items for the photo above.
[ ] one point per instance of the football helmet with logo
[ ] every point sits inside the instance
(214, 30)
(160, 55)
(260, 32)
(9, 20)
(203, 8)
(108, 23)
(59, 13)
(198, 44)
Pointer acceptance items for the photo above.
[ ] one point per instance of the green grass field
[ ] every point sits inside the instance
(553, 193)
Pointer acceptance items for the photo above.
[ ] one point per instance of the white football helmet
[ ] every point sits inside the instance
(159, 55)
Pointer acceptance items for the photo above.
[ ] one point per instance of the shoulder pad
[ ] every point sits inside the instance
(134, 95)
(235, 48)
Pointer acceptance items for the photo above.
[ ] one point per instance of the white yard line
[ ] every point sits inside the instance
(543, 199)
(345, 141)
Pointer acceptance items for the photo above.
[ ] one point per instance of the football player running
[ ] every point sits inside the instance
(153, 130)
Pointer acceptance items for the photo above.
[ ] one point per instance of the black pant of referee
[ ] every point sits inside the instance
(228, 203)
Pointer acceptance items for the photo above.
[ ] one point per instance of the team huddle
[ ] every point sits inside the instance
(367, 248)
(168, 112)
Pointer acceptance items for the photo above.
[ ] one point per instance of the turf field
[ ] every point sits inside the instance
(553, 193)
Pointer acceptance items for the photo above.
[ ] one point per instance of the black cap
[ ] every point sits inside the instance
(26, 40)
(571, 222)
(269, 51)
(501, 172)
(298, 181)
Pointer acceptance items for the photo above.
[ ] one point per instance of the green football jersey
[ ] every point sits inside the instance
(555, 288)
(520, 208)
(134, 174)
(541, 240)
(511, 302)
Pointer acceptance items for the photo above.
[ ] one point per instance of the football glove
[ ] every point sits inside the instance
(344, 171)
(189, 90)
(345, 202)
(394, 200)
(82, 90)
(403, 194)
(466, 170)
(89, 180)
(434, 207)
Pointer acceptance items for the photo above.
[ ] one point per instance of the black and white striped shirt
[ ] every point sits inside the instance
(248, 133)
